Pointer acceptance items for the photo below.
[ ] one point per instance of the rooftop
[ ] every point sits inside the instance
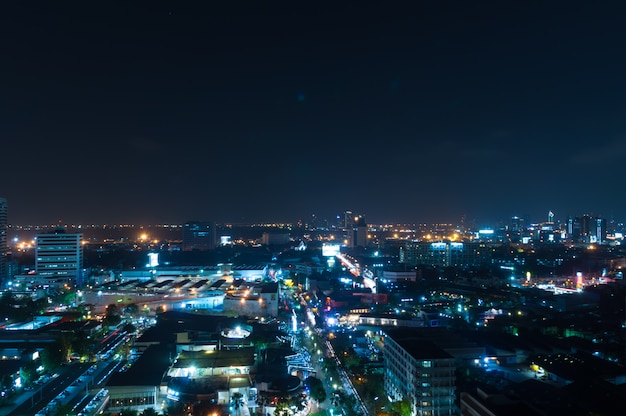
(148, 370)
(420, 348)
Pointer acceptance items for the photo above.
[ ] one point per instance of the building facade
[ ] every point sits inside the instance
(59, 258)
(4, 248)
(445, 254)
(420, 372)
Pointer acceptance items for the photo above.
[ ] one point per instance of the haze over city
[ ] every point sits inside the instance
(164, 112)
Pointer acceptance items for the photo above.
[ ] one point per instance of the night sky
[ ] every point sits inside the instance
(163, 112)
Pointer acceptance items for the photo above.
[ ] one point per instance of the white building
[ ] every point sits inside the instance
(59, 258)
(419, 371)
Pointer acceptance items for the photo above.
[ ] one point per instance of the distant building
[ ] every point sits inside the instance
(419, 371)
(445, 254)
(586, 229)
(398, 276)
(360, 232)
(199, 235)
(59, 258)
(269, 239)
(3, 239)
(348, 220)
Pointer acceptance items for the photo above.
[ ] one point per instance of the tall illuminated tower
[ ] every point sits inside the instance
(4, 248)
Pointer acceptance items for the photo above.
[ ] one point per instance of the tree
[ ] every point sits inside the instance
(81, 344)
(129, 412)
(149, 412)
(131, 309)
(282, 408)
(236, 401)
(176, 409)
(316, 388)
(6, 381)
(112, 317)
(350, 359)
(401, 408)
(28, 372)
(64, 410)
(53, 355)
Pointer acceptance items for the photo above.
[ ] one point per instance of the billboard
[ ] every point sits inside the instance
(330, 250)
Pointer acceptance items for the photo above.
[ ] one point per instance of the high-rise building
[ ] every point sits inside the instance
(445, 254)
(360, 232)
(517, 224)
(348, 219)
(417, 370)
(199, 235)
(4, 249)
(59, 258)
(600, 229)
(587, 229)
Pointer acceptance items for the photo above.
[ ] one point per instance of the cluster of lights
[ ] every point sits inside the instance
(23, 245)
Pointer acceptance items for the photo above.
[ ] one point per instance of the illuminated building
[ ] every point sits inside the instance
(419, 371)
(253, 300)
(445, 254)
(216, 373)
(348, 219)
(587, 229)
(3, 239)
(59, 258)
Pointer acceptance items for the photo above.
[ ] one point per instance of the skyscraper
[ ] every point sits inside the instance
(4, 249)
(587, 229)
(348, 219)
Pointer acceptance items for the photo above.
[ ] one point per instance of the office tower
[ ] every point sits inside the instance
(4, 249)
(599, 230)
(360, 232)
(417, 370)
(199, 235)
(587, 229)
(348, 220)
(59, 258)
(517, 224)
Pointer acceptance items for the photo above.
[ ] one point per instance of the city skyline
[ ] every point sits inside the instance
(422, 113)
(335, 223)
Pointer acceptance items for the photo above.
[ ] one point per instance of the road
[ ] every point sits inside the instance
(77, 379)
(29, 403)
